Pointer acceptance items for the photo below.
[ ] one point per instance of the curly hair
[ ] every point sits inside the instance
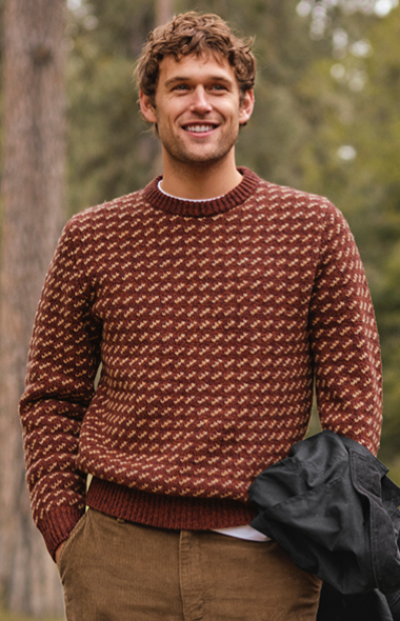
(193, 33)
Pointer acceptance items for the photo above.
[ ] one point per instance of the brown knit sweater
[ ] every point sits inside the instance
(211, 320)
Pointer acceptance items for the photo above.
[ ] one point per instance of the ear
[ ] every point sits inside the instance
(147, 108)
(246, 107)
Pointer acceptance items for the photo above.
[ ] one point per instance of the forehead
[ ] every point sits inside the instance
(195, 67)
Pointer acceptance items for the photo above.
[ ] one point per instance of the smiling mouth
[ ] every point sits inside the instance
(200, 129)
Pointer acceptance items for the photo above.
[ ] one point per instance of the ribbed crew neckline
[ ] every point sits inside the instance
(190, 208)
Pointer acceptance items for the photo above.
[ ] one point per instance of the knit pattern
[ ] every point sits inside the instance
(211, 321)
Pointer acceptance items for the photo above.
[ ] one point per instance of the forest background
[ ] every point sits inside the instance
(326, 120)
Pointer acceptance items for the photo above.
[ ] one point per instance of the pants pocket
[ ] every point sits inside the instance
(69, 545)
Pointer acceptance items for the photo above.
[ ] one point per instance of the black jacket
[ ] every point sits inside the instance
(334, 510)
(370, 606)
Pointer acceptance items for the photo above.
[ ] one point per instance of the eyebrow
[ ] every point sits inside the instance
(211, 78)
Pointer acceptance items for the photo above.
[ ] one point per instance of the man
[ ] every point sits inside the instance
(213, 300)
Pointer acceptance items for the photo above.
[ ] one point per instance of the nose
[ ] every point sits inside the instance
(200, 103)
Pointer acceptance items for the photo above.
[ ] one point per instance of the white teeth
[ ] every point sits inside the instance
(199, 128)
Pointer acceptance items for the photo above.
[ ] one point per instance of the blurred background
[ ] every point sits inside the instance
(327, 120)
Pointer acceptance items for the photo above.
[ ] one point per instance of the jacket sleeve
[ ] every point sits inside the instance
(63, 360)
(344, 338)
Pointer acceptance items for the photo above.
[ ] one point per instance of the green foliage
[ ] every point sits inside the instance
(380, 142)
(111, 152)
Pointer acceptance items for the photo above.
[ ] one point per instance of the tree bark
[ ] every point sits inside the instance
(32, 206)
(163, 11)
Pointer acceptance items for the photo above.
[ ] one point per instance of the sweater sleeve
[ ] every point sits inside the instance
(344, 338)
(63, 360)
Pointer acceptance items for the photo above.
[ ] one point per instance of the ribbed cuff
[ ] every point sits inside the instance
(57, 525)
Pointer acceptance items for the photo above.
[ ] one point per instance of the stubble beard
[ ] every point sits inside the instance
(181, 154)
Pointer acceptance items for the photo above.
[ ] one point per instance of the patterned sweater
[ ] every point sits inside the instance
(211, 321)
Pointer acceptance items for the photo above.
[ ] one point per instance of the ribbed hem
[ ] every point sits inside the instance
(56, 526)
(200, 209)
(175, 512)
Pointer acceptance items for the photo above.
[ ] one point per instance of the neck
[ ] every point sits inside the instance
(203, 180)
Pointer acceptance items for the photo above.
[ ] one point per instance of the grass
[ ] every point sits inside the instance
(8, 616)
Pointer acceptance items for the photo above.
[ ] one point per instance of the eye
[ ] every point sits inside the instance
(218, 87)
(181, 87)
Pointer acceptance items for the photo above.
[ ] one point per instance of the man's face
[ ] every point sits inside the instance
(197, 109)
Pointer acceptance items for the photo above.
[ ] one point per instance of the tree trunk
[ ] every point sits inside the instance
(163, 11)
(32, 205)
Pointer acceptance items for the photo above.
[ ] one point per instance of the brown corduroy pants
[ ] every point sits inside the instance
(118, 571)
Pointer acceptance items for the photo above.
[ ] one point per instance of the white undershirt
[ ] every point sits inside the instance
(191, 200)
(240, 532)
